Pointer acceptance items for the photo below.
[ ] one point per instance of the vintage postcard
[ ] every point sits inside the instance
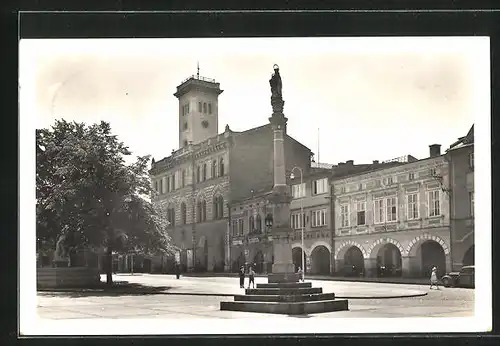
(307, 182)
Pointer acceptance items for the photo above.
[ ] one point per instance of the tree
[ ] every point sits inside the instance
(86, 191)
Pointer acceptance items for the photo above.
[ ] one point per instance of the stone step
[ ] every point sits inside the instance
(286, 285)
(282, 277)
(300, 308)
(285, 298)
(283, 291)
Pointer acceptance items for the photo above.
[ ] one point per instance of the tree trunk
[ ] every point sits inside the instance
(109, 265)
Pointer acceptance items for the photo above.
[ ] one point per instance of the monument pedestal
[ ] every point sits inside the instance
(283, 294)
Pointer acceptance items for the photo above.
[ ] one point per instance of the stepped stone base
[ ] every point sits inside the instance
(283, 294)
(299, 308)
(283, 277)
(285, 298)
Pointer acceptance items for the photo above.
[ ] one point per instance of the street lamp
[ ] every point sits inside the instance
(292, 176)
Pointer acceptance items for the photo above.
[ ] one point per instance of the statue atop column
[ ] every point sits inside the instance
(277, 94)
(275, 82)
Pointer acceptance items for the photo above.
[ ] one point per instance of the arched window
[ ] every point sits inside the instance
(173, 182)
(258, 222)
(198, 174)
(204, 171)
(161, 185)
(168, 184)
(183, 213)
(204, 210)
(198, 212)
(214, 169)
(215, 208)
(221, 167)
(251, 225)
(221, 207)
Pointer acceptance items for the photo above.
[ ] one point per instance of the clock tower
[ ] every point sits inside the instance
(198, 109)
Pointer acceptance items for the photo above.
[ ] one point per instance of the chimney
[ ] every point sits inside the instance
(375, 162)
(349, 162)
(434, 150)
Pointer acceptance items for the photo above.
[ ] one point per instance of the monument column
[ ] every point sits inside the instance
(283, 269)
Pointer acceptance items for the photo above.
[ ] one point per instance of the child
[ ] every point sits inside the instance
(251, 277)
(242, 277)
(301, 276)
(434, 279)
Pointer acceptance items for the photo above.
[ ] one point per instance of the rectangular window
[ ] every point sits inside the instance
(471, 201)
(432, 172)
(318, 218)
(392, 214)
(187, 107)
(173, 181)
(161, 185)
(156, 186)
(344, 215)
(434, 209)
(320, 186)
(240, 226)
(296, 221)
(183, 178)
(389, 181)
(209, 108)
(379, 211)
(471, 160)
(299, 190)
(411, 176)
(412, 200)
(342, 189)
(199, 107)
(235, 227)
(361, 210)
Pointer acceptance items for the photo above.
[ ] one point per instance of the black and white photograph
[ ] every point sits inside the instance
(255, 185)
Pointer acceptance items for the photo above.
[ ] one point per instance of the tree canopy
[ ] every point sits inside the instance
(85, 189)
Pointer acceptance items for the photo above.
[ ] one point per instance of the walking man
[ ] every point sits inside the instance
(251, 277)
(242, 277)
(434, 278)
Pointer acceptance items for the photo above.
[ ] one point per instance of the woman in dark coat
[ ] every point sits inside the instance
(242, 277)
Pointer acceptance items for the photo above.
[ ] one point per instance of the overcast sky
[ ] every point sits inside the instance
(371, 98)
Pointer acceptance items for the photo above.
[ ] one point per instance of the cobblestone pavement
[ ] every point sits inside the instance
(447, 302)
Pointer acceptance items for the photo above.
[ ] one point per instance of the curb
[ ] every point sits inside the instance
(220, 294)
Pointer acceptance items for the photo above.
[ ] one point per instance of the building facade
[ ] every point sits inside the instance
(394, 221)
(198, 183)
(460, 156)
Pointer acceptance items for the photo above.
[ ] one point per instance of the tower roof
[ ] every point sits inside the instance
(199, 83)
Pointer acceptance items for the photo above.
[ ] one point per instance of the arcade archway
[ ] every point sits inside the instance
(258, 262)
(469, 257)
(431, 254)
(354, 263)
(320, 258)
(296, 258)
(389, 261)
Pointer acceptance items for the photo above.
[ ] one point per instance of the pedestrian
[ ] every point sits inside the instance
(177, 271)
(300, 272)
(251, 277)
(434, 278)
(242, 277)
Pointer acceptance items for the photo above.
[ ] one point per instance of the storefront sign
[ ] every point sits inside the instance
(237, 242)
